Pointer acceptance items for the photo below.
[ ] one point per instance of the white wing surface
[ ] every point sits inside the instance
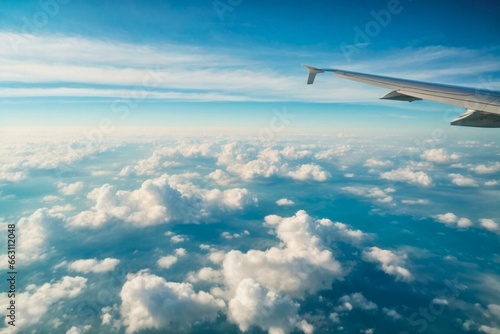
(483, 106)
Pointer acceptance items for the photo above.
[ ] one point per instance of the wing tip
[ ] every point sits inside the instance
(312, 73)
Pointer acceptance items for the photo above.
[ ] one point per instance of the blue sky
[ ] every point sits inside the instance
(169, 170)
(71, 63)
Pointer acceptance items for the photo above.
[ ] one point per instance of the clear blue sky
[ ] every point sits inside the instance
(232, 62)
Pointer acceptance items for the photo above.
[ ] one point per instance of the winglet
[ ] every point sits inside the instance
(312, 73)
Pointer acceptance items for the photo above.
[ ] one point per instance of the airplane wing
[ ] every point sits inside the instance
(483, 106)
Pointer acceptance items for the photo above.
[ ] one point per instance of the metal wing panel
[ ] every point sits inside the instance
(469, 98)
(483, 105)
(478, 119)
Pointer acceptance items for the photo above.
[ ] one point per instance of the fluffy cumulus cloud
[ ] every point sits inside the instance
(166, 262)
(355, 301)
(94, 265)
(70, 189)
(259, 286)
(309, 172)
(220, 177)
(406, 174)
(380, 195)
(333, 152)
(158, 201)
(462, 181)
(489, 224)
(18, 160)
(451, 219)
(37, 300)
(243, 160)
(9, 173)
(439, 155)
(150, 302)
(253, 305)
(284, 202)
(303, 264)
(165, 156)
(33, 232)
(249, 163)
(487, 169)
(295, 153)
(205, 274)
(373, 163)
(389, 262)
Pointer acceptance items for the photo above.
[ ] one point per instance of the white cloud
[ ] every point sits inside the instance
(220, 177)
(217, 257)
(294, 153)
(33, 232)
(353, 301)
(213, 74)
(392, 313)
(489, 224)
(372, 163)
(440, 301)
(51, 198)
(333, 152)
(94, 265)
(381, 195)
(447, 218)
(309, 172)
(79, 330)
(23, 156)
(301, 265)
(492, 183)
(70, 189)
(10, 175)
(464, 222)
(489, 330)
(334, 317)
(284, 202)
(439, 155)
(254, 305)
(494, 310)
(180, 252)
(206, 274)
(342, 232)
(415, 202)
(100, 173)
(405, 174)
(167, 261)
(462, 181)
(158, 201)
(250, 162)
(61, 208)
(178, 239)
(452, 220)
(110, 317)
(487, 169)
(37, 300)
(228, 236)
(150, 302)
(391, 263)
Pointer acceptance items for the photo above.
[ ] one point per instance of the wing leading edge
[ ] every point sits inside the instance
(483, 106)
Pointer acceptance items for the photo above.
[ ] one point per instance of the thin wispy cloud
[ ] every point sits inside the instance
(194, 73)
